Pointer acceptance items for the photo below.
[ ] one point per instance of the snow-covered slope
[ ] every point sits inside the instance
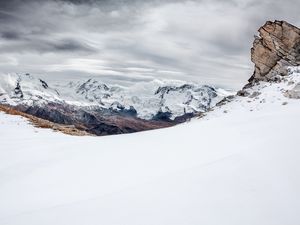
(238, 165)
(263, 96)
(155, 96)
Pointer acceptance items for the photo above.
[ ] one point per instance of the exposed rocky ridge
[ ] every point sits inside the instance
(275, 49)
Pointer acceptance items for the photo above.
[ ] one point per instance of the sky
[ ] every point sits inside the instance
(131, 41)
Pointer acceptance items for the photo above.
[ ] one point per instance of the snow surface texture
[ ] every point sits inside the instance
(238, 165)
(156, 96)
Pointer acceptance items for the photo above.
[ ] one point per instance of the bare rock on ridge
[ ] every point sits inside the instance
(276, 48)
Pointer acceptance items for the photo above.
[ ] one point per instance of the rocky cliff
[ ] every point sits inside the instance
(275, 49)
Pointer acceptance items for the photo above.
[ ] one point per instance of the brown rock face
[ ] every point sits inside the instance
(276, 48)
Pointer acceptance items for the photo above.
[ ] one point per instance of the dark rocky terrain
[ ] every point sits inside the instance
(96, 120)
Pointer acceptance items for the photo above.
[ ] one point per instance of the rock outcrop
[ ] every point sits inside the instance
(276, 48)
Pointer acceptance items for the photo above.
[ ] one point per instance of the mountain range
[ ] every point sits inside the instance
(101, 109)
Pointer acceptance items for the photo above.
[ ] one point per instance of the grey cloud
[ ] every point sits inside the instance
(70, 45)
(23, 45)
(207, 41)
(10, 35)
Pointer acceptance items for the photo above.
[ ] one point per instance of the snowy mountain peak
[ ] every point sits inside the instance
(91, 85)
(26, 89)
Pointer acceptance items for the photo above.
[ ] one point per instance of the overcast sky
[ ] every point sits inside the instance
(129, 41)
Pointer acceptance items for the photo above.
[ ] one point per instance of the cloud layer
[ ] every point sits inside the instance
(127, 41)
